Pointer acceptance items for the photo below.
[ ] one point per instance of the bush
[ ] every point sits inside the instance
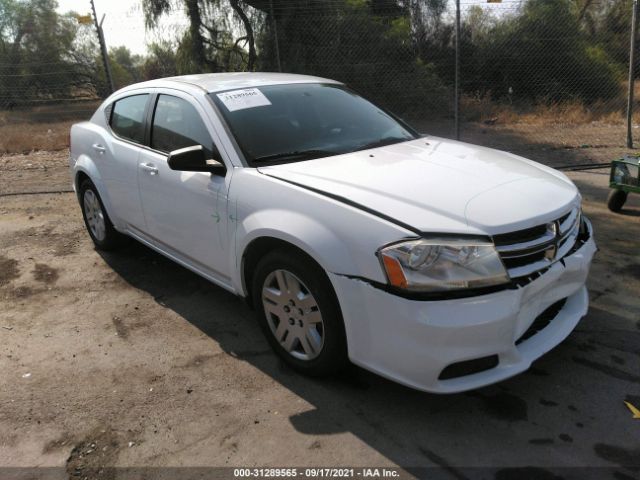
(541, 53)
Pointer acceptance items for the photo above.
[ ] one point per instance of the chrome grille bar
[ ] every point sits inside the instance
(526, 251)
(517, 249)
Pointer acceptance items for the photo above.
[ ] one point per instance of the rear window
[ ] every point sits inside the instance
(127, 119)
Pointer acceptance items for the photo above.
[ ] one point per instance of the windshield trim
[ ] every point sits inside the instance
(249, 162)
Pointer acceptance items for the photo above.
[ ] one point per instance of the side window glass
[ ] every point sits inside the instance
(177, 124)
(127, 119)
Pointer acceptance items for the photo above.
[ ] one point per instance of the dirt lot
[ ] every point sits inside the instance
(127, 359)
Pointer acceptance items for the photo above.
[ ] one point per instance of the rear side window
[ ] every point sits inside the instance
(177, 124)
(127, 119)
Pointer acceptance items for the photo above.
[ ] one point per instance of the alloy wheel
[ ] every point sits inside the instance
(95, 216)
(293, 315)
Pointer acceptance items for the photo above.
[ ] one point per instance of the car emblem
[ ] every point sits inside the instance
(552, 250)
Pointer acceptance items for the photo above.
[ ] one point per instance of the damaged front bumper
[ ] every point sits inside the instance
(453, 345)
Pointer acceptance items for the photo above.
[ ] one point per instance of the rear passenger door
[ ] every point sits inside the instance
(185, 212)
(117, 157)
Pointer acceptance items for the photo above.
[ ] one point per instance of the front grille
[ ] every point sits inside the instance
(542, 321)
(532, 249)
(520, 236)
(515, 262)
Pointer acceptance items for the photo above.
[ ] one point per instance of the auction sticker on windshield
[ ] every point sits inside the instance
(245, 98)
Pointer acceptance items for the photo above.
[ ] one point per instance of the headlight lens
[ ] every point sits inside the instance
(433, 265)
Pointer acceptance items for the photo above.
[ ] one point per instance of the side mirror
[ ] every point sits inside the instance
(192, 159)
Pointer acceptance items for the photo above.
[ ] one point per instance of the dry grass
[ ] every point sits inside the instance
(41, 127)
(484, 109)
(27, 137)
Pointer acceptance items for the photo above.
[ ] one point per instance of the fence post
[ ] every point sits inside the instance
(103, 48)
(457, 75)
(275, 35)
(632, 74)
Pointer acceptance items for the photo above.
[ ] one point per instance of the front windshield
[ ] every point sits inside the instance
(293, 122)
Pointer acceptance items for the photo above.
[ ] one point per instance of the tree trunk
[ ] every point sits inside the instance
(583, 10)
(249, 29)
(195, 25)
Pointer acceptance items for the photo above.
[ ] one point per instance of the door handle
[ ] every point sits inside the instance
(150, 168)
(99, 148)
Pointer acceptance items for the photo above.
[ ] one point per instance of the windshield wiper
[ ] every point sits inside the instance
(296, 154)
(382, 142)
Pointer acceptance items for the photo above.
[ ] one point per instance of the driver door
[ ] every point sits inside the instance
(185, 212)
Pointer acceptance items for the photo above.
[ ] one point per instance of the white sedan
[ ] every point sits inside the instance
(440, 265)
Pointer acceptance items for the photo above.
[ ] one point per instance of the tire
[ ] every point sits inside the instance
(101, 230)
(616, 200)
(302, 321)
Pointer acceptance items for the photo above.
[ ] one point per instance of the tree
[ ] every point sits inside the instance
(250, 40)
(541, 53)
(209, 44)
(161, 61)
(38, 57)
(126, 68)
(612, 29)
(367, 44)
(431, 32)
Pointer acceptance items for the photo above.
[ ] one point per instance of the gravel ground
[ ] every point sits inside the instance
(34, 172)
(127, 359)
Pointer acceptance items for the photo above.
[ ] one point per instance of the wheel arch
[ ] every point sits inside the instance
(85, 169)
(329, 247)
(81, 176)
(260, 246)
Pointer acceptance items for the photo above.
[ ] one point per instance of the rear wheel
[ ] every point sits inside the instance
(616, 200)
(299, 313)
(101, 230)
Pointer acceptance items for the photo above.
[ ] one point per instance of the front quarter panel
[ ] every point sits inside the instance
(341, 238)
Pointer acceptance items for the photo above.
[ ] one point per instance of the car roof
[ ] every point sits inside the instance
(216, 82)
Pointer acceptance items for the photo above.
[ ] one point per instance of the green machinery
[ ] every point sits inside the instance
(624, 179)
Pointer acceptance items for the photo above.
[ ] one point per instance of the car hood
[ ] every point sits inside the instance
(439, 185)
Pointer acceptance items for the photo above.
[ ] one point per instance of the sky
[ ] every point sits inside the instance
(124, 23)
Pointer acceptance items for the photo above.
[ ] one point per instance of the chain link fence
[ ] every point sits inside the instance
(545, 78)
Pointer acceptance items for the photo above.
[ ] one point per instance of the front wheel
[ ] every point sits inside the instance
(616, 200)
(299, 313)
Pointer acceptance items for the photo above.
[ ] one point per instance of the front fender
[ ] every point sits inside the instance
(302, 231)
(342, 239)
